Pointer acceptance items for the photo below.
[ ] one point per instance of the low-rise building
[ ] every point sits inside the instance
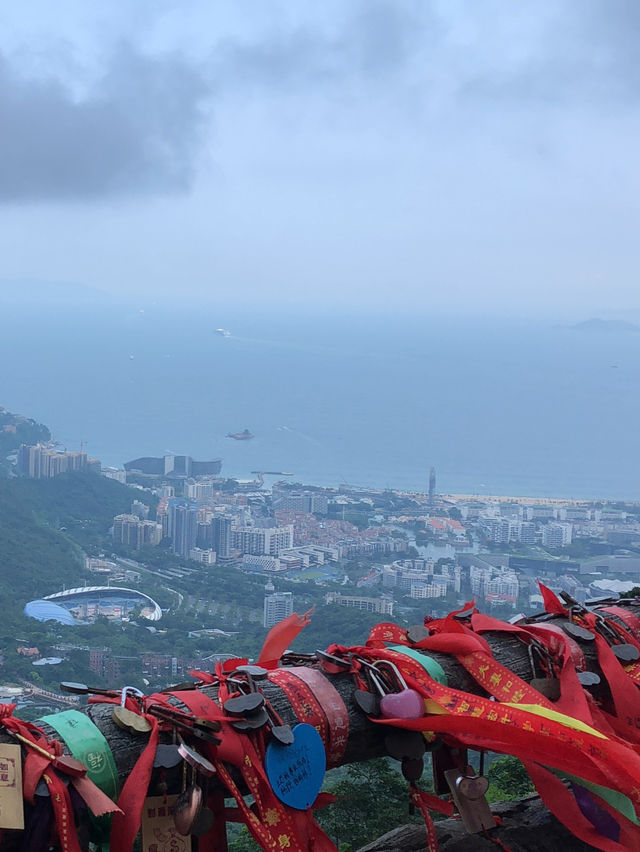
(205, 557)
(264, 562)
(382, 605)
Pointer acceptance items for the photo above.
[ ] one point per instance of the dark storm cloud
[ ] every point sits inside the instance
(137, 131)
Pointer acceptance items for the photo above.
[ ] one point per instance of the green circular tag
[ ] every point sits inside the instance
(87, 743)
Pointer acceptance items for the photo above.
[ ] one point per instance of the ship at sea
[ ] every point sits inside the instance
(245, 435)
(223, 332)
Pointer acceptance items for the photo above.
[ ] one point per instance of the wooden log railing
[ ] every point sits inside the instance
(365, 741)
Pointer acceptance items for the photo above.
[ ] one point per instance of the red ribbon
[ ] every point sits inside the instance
(36, 765)
(126, 825)
(318, 703)
(280, 637)
(552, 602)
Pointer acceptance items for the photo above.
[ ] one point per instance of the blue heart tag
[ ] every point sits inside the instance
(296, 771)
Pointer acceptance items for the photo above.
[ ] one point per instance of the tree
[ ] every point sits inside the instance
(632, 593)
(509, 780)
(372, 798)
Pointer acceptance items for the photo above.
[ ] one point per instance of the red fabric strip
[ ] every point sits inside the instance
(126, 825)
(63, 813)
(562, 804)
(280, 637)
(335, 733)
(98, 802)
(426, 802)
(552, 602)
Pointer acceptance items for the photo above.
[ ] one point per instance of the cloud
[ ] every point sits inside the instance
(141, 127)
(554, 54)
(454, 54)
(374, 39)
(136, 131)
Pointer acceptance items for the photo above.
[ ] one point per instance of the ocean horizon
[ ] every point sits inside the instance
(497, 407)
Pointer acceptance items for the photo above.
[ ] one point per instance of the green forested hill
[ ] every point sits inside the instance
(44, 525)
(16, 430)
(41, 524)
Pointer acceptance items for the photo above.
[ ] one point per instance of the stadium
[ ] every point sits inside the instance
(88, 602)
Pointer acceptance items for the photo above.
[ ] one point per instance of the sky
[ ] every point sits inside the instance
(461, 156)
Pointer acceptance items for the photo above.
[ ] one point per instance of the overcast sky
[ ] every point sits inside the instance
(463, 155)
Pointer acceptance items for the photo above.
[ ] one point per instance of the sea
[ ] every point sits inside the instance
(523, 408)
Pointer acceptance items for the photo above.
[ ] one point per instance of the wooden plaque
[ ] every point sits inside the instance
(11, 807)
(159, 833)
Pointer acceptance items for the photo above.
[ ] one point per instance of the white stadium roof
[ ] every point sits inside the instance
(154, 615)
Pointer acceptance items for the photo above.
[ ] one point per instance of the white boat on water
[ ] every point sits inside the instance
(223, 332)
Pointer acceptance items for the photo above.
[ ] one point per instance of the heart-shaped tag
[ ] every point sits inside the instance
(472, 787)
(401, 744)
(626, 653)
(407, 704)
(296, 771)
(242, 705)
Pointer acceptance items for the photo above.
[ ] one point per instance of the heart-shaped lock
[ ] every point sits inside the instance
(412, 768)
(472, 787)
(367, 702)
(407, 704)
(296, 771)
(186, 809)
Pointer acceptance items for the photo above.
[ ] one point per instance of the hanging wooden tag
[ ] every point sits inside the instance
(159, 833)
(11, 811)
(474, 809)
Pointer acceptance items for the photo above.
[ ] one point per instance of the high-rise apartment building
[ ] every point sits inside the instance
(39, 462)
(184, 527)
(221, 536)
(527, 532)
(130, 530)
(127, 530)
(140, 509)
(277, 605)
(382, 605)
(556, 535)
(199, 490)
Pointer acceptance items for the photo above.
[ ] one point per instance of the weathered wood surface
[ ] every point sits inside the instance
(527, 827)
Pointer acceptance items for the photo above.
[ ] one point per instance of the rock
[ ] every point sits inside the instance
(527, 827)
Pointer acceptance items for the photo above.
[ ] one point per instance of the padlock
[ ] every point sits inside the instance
(126, 719)
(368, 701)
(406, 703)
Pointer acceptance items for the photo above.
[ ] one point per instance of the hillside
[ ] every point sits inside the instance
(15, 430)
(42, 524)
